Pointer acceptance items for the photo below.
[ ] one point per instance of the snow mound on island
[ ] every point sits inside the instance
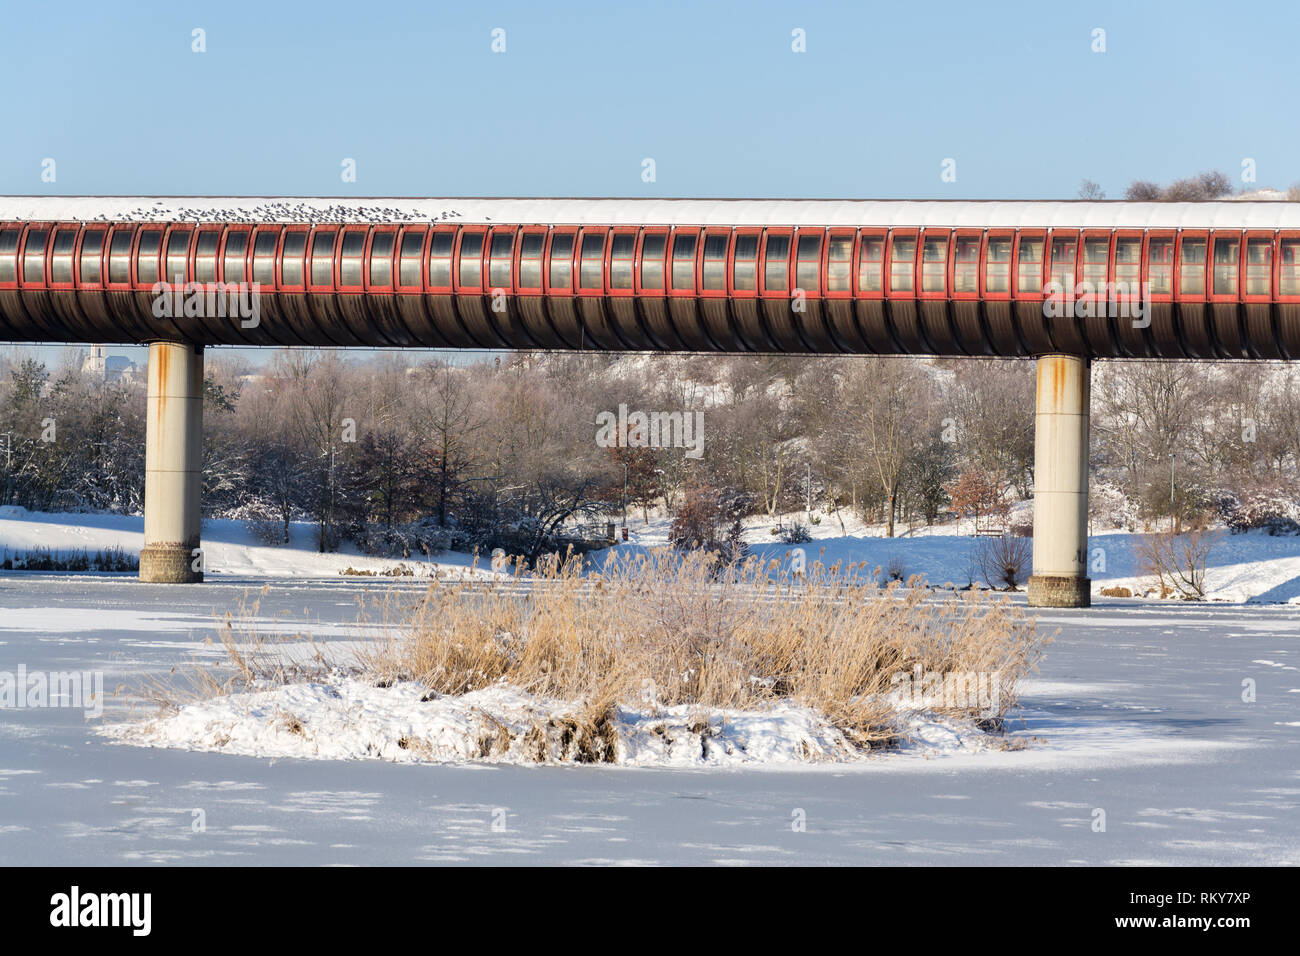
(347, 718)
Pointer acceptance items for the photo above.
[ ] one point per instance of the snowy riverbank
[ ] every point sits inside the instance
(1242, 568)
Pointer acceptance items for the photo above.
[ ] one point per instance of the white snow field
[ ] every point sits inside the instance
(1140, 712)
(1177, 723)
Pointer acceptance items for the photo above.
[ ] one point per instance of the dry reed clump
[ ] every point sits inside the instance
(254, 658)
(665, 628)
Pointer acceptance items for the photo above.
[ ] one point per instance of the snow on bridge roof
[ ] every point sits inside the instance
(1228, 214)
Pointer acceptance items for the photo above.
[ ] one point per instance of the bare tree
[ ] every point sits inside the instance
(1177, 560)
(448, 420)
(1090, 190)
(320, 388)
(1003, 560)
(992, 405)
(1144, 420)
(1143, 190)
(1198, 188)
(886, 394)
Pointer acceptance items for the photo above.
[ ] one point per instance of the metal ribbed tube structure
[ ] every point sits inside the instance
(1214, 280)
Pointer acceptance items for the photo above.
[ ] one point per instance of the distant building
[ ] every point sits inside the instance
(109, 368)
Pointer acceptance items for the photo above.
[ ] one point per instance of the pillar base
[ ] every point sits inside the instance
(1058, 590)
(168, 564)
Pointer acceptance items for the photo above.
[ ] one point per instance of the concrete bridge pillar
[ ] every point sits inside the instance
(173, 464)
(1060, 577)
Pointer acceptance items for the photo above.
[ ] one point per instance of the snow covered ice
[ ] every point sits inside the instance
(1138, 711)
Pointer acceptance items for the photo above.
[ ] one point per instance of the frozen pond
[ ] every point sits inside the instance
(1137, 712)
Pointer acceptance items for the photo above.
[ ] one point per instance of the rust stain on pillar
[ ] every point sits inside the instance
(1055, 370)
(164, 359)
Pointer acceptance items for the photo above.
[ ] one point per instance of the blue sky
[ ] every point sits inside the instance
(712, 91)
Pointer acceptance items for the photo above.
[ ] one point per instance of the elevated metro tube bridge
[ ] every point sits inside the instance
(1063, 282)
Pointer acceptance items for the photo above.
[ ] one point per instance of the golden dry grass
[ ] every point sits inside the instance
(658, 629)
(663, 629)
(254, 656)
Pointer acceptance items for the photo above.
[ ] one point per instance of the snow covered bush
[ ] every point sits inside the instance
(1109, 508)
(1269, 509)
(795, 533)
(416, 539)
(263, 522)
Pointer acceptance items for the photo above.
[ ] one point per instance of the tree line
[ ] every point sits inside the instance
(405, 456)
